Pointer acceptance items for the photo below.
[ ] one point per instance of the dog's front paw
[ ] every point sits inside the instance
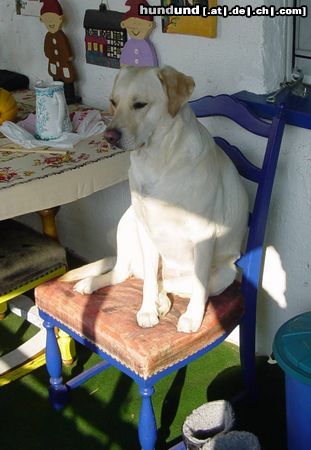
(86, 286)
(147, 319)
(188, 323)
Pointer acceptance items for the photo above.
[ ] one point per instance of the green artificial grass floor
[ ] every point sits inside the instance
(103, 413)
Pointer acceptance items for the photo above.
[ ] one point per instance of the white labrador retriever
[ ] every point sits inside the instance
(184, 228)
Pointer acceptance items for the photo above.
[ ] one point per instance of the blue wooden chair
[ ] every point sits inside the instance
(105, 321)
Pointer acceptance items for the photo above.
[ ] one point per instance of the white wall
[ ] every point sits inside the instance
(232, 62)
(248, 54)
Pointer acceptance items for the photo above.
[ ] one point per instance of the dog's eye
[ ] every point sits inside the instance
(139, 105)
(113, 103)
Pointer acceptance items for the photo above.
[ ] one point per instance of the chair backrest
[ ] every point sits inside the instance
(226, 106)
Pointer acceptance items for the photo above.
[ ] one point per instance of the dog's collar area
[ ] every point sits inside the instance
(117, 147)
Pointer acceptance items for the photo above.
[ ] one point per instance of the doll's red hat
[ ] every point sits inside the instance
(51, 6)
(134, 10)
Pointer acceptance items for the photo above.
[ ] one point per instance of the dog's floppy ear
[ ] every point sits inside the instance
(178, 87)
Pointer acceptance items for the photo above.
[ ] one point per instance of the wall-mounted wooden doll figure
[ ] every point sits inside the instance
(138, 50)
(57, 48)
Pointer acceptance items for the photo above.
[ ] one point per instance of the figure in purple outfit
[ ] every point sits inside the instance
(138, 50)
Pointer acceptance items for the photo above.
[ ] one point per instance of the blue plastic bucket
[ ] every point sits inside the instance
(292, 350)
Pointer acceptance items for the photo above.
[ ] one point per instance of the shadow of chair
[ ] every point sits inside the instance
(105, 321)
(27, 259)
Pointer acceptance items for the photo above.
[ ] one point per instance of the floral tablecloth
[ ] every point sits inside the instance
(34, 181)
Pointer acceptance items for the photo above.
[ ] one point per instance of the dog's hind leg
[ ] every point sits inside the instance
(128, 250)
(190, 321)
(91, 284)
(163, 304)
(119, 273)
(221, 278)
(90, 270)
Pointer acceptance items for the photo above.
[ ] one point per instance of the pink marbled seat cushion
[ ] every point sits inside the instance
(107, 318)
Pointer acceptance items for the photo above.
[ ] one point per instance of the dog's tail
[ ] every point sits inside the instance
(90, 270)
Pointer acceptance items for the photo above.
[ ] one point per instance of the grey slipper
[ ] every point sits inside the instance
(234, 440)
(207, 421)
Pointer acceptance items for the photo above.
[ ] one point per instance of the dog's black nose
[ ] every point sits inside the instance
(112, 135)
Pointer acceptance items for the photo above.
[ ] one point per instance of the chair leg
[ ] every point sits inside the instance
(58, 392)
(248, 359)
(3, 310)
(67, 347)
(147, 427)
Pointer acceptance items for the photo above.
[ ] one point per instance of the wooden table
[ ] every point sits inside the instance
(33, 182)
(36, 182)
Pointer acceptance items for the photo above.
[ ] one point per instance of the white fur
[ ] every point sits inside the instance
(189, 209)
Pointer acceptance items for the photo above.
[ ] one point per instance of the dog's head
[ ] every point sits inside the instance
(142, 100)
